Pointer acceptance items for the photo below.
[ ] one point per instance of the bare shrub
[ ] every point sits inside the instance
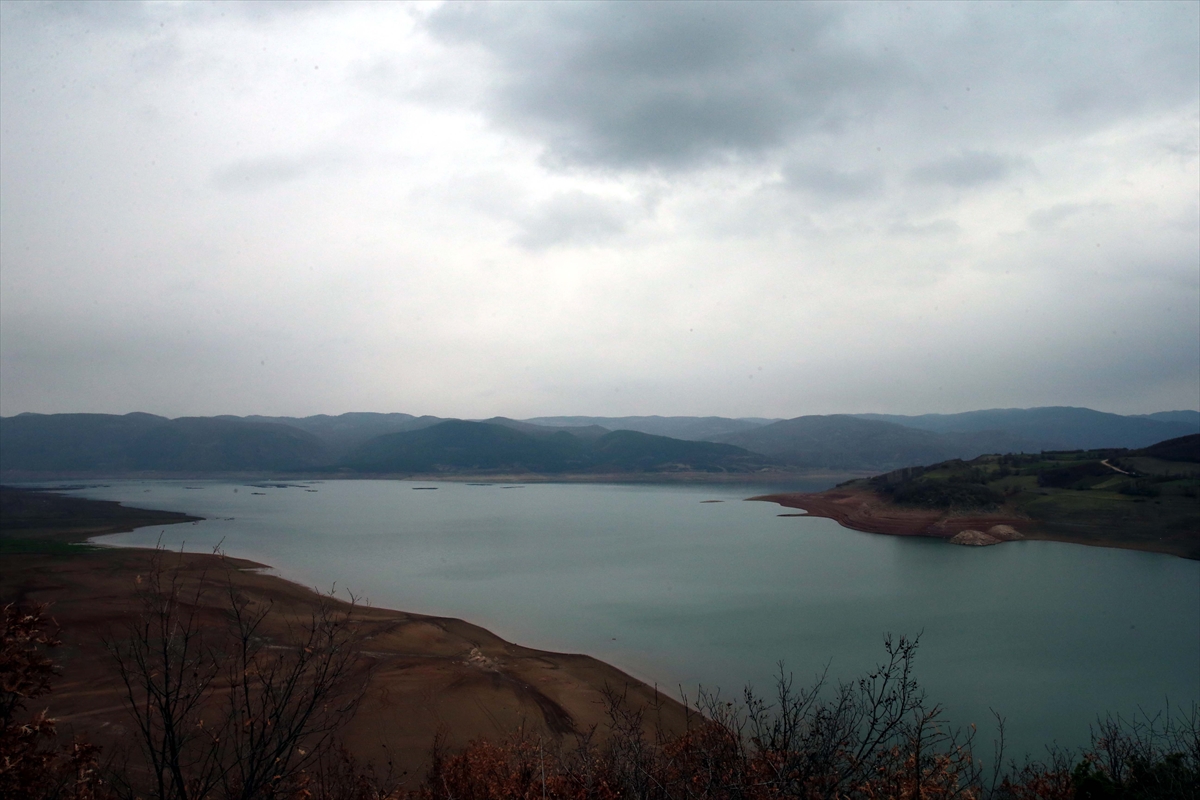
(32, 765)
(1146, 756)
(873, 738)
(222, 709)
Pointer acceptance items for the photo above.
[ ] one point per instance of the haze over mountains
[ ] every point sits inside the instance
(694, 428)
(370, 443)
(482, 446)
(850, 443)
(1055, 428)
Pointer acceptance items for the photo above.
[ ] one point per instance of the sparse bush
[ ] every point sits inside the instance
(1074, 476)
(1139, 488)
(223, 710)
(32, 765)
(1146, 758)
(946, 494)
(871, 739)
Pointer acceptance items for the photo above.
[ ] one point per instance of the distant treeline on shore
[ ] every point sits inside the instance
(368, 443)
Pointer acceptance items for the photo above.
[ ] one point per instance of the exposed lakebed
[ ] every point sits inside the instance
(679, 591)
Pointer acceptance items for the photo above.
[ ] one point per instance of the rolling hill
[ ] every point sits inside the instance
(344, 432)
(841, 441)
(460, 446)
(357, 442)
(690, 428)
(1143, 499)
(148, 443)
(1058, 427)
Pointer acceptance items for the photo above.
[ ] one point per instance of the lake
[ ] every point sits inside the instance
(679, 591)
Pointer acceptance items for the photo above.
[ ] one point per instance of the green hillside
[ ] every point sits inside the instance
(105, 443)
(641, 452)
(148, 443)
(458, 446)
(1058, 427)
(1133, 497)
(842, 441)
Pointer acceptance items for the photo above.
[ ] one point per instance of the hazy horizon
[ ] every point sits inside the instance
(597, 416)
(604, 209)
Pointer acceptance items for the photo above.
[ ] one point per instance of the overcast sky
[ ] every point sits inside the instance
(532, 209)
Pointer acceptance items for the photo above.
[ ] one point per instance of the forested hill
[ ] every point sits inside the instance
(1049, 428)
(1144, 498)
(1058, 427)
(696, 429)
(460, 446)
(353, 443)
(840, 441)
(107, 443)
(97, 443)
(882, 442)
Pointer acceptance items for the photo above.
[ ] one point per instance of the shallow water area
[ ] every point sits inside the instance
(680, 591)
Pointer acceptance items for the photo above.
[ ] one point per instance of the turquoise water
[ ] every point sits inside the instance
(683, 592)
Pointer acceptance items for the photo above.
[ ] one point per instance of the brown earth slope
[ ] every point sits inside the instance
(862, 509)
(427, 675)
(859, 507)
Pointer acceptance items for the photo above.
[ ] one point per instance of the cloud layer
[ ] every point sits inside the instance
(613, 208)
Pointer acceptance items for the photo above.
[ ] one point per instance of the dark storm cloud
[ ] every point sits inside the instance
(675, 85)
(667, 84)
(536, 208)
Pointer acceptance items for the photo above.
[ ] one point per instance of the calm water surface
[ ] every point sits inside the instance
(683, 592)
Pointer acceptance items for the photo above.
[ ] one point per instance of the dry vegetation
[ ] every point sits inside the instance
(223, 714)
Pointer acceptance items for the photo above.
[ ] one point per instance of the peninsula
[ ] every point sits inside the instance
(1143, 499)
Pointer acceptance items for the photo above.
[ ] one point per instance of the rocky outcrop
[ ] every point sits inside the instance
(974, 538)
(1005, 533)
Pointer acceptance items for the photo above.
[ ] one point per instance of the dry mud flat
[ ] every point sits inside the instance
(425, 675)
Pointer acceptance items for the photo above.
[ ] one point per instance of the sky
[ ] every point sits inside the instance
(605, 209)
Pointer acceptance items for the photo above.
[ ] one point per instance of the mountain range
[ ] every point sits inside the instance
(1058, 427)
(456, 445)
(364, 443)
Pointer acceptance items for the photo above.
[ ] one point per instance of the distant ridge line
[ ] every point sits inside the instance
(138, 441)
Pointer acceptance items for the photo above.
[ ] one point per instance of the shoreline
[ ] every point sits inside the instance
(865, 511)
(771, 477)
(429, 674)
